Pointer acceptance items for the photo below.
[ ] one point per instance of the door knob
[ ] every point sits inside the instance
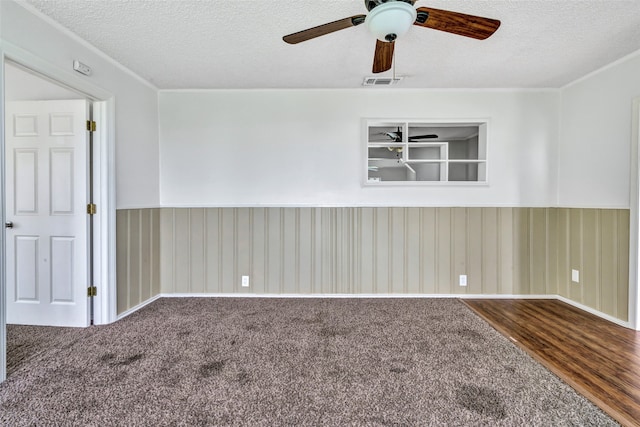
(8, 224)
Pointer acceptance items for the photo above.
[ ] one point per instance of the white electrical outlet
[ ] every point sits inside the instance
(245, 281)
(463, 280)
(575, 276)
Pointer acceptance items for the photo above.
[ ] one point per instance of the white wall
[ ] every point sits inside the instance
(595, 138)
(21, 85)
(305, 147)
(137, 166)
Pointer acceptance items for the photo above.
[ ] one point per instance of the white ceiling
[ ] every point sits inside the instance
(188, 44)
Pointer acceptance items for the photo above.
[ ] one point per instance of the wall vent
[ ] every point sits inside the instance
(381, 81)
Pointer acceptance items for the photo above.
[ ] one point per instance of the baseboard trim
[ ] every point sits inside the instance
(380, 296)
(595, 312)
(506, 296)
(253, 295)
(137, 307)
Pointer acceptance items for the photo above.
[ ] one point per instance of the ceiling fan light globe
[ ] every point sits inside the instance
(394, 17)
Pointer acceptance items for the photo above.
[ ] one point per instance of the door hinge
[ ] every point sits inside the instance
(92, 291)
(91, 126)
(91, 208)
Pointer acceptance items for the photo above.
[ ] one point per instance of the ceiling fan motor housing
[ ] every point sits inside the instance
(370, 4)
(390, 19)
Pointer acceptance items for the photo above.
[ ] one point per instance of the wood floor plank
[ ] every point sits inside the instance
(598, 358)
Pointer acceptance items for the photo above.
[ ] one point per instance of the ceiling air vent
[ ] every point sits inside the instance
(381, 81)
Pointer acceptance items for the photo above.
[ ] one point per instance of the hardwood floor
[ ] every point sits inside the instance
(598, 358)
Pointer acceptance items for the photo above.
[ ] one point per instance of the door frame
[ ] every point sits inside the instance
(104, 185)
(634, 218)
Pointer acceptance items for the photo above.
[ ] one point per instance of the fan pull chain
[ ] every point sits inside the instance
(393, 62)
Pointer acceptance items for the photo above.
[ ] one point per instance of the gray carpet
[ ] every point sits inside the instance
(285, 362)
(26, 343)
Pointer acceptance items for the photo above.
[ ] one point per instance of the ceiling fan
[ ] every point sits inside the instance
(389, 19)
(396, 136)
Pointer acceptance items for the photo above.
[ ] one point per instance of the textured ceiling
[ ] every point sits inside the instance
(177, 44)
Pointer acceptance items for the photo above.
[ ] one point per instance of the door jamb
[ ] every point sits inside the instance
(104, 183)
(634, 219)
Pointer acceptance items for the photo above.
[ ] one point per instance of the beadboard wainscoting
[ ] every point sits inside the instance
(137, 257)
(306, 251)
(551, 242)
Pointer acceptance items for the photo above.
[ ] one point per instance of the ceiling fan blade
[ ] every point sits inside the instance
(475, 27)
(383, 57)
(431, 136)
(321, 30)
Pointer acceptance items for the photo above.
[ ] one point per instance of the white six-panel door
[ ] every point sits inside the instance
(46, 198)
